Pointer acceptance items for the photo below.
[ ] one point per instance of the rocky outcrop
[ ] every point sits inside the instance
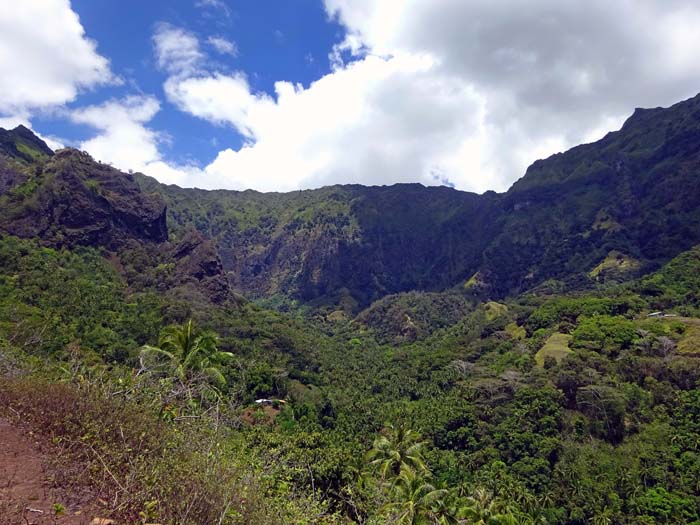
(77, 201)
(197, 260)
(10, 177)
(68, 199)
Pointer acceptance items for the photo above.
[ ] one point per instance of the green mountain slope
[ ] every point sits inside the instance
(634, 193)
(542, 346)
(632, 197)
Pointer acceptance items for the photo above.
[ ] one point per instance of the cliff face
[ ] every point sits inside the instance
(629, 201)
(340, 244)
(67, 199)
(197, 260)
(635, 192)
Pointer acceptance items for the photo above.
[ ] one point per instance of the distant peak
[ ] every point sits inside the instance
(21, 142)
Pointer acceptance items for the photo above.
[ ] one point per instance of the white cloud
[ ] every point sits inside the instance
(358, 124)
(126, 142)
(123, 139)
(177, 50)
(223, 46)
(219, 99)
(470, 92)
(550, 73)
(45, 57)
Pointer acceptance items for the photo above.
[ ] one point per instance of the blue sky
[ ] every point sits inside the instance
(274, 39)
(280, 95)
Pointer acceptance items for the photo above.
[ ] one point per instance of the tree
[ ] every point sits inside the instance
(415, 501)
(485, 509)
(187, 353)
(395, 449)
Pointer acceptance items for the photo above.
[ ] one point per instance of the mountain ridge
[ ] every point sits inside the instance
(342, 247)
(514, 240)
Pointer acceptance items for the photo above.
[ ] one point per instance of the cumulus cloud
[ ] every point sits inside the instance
(220, 99)
(125, 141)
(45, 57)
(550, 73)
(358, 125)
(123, 138)
(447, 91)
(361, 123)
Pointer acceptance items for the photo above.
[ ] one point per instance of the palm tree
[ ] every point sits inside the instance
(603, 517)
(414, 500)
(485, 509)
(450, 509)
(395, 449)
(186, 352)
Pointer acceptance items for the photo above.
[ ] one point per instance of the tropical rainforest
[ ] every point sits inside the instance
(373, 355)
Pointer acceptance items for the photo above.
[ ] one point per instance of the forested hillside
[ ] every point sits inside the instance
(634, 193)
(381, 355)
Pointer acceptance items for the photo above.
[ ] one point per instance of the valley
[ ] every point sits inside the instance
(352, 354)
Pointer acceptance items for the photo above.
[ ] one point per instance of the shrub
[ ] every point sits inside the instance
(147, 469)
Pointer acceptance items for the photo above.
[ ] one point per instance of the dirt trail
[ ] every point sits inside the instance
(27, 490)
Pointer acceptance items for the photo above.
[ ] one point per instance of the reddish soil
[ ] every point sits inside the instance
(264, 415)
(28, 487)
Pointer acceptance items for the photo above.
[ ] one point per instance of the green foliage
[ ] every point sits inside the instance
(660, 506)
(50, 298)
(188, 353)
(604, 334)
(677, 284)
(602, 432)
(568, 310)
(583, 439)
(397, 449)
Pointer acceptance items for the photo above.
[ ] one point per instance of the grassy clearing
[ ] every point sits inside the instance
(515, 331)
(494, 310)
(615, 261)
(557, 346)
(690, 342)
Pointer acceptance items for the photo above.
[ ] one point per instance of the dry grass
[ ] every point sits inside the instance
(615, 262)
(689, 345)
(146, 470)
(557, 346)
